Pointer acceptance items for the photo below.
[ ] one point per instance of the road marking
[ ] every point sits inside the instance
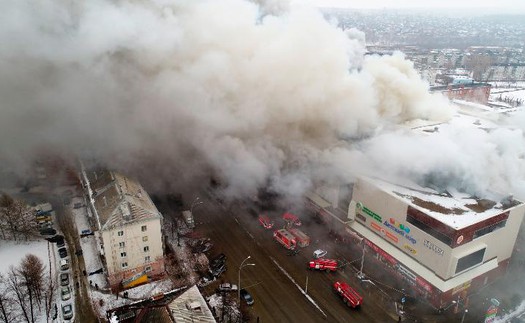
(298, 287)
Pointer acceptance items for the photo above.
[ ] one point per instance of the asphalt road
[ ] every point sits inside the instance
(237, 233)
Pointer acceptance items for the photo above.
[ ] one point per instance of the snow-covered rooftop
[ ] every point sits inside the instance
(455, 209)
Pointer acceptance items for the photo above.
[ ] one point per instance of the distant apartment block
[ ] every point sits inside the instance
(129, 225)
(473, 92)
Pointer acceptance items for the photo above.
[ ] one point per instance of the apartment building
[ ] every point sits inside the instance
(129, 227)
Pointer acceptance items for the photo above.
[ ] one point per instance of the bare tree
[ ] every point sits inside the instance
(16, 219)
(32, 276)
(18, 290)
(6, 302)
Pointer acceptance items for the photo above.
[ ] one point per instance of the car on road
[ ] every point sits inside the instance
(62, 252)
(64, 279)
(60, 242)
(227, 287)
(266, 222)
(64, 264)
(319, 253)
(65, 293)
(247, 297)
(67, 312)
(85, 233)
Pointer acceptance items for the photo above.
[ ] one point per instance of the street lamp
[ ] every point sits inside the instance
(239, 281)
(360, 274)
(463, 317)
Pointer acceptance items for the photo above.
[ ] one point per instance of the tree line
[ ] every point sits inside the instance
(17, 219)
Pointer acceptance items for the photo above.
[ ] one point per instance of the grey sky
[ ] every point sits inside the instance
(498, 5)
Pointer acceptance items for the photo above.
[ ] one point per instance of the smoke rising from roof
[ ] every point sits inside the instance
(179, 89)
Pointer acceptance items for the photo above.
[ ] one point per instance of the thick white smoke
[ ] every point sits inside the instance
(177, 89)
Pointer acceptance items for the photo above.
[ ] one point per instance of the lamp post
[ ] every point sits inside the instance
(239, 281)
(463, 317)
(360, 274)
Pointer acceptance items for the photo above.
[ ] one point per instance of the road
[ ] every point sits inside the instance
(277, 299)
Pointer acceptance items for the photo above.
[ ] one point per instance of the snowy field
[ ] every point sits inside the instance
(11, 253)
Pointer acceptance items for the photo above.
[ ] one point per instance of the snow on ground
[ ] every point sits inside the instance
(11, 253)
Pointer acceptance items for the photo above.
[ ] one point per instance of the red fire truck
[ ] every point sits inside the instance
(291, 218)
(285, 238)
(302, 239)
(348, 294)
(324, 264)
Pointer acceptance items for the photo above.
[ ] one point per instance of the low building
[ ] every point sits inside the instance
(129, 227)
(473, 92)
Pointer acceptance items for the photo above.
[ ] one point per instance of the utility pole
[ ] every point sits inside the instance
(306, 288)
(360, 274)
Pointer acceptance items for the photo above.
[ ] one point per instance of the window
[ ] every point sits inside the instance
(147, 259)
(144, 228)
(428, 229)
(124, 264)
(147, 269)
(146, 248)
(123, 254)
(121, 244)
(489, 229)
(145, 238)
(120, 233)
(471, 260)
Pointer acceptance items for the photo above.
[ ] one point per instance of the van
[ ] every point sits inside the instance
(64, 264)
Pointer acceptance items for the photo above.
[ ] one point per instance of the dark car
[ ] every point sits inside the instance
(247, 297)
(48, 231)
(62, 252)
(64, 279)
(61, 243)
(218, 270)
(219, 260)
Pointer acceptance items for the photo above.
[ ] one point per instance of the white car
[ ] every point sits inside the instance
(65, 293)
(319, 253)
(227, 287)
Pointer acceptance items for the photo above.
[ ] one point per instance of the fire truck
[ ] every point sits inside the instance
(291, 218)
(302, 239)
(324, 264)
(348, 294)
(285, 238)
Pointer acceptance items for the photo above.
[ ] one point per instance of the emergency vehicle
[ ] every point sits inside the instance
(291, 218)
(324, 264)
(302, 239)
(348, 294)
(285, 238)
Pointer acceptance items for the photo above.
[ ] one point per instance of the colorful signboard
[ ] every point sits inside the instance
(410, 249)
(384, 232)
(367, 211)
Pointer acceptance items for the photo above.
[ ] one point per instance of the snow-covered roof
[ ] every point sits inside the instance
(455, 209)
(119, 200)
(191, 307)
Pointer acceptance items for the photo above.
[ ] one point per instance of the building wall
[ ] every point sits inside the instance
(386, 216)
(133, 238)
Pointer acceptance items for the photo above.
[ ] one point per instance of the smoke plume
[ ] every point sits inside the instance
(178, 90)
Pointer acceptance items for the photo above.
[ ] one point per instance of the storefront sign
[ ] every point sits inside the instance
(400, 229)
(433, 247)
(367, 211)
(459, 239)
(407, 273)
(410, 249)
(424, 284)
(384, 232)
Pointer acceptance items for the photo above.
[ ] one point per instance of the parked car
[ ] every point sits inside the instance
(65, 293)
(319, 253)
(48, 231)
(86, 233)
(247, 297)
(220, 259)
(64, 264)
(227, 287)
(67, 311)
(64, 279)
(218, 270)
(60, 242)
(62, 252)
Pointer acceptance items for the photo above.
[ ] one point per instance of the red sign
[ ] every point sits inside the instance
(381, 252)
(423, 283)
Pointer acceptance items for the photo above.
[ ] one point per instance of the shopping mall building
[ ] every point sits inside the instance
(445, 245)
